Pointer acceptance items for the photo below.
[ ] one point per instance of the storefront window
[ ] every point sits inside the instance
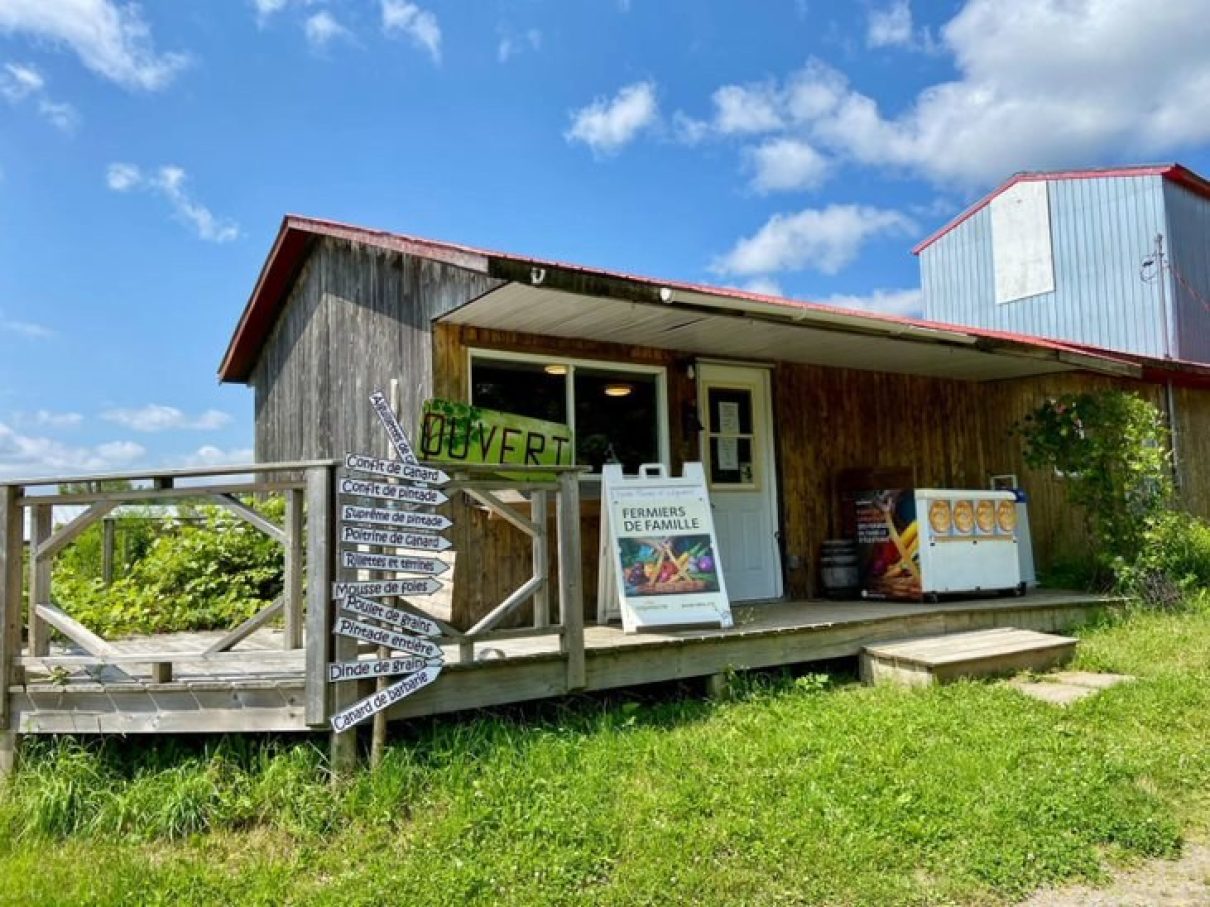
(614, 411)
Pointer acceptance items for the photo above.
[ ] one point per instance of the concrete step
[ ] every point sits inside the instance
(936, 659)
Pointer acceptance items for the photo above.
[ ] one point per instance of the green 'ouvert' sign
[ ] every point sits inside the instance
(459, 433)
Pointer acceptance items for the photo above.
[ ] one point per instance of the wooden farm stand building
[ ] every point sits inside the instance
(340, 311)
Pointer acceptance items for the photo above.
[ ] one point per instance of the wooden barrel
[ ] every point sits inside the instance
(838, 568)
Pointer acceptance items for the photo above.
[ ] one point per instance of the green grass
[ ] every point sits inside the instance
(794, 792)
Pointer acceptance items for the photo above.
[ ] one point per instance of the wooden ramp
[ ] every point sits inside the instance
(936, 659)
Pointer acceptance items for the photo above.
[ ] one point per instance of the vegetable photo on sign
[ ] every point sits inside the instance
(673, 565)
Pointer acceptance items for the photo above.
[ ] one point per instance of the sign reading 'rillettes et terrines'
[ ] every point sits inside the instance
(457, 433)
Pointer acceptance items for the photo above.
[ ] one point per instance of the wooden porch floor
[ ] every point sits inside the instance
(259, 687)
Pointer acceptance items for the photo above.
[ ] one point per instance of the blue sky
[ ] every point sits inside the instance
(147, 154)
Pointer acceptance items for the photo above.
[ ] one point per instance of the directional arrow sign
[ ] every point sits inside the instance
(404, 620)
(411, 586)
(397, 519)
(384, 699)
(395, 431)
(392, 639)
(381, 667)
(410, 494)
(396, 469)
(419, 541)
(361, 560)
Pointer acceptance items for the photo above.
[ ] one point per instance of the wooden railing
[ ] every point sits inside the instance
(309, 536)
(30, 610)
(483, 485)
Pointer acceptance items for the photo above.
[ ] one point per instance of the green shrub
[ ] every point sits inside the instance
(1173, 561)
(202, 575)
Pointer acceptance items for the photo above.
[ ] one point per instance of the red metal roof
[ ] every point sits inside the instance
(1177, 173)
(297, 234)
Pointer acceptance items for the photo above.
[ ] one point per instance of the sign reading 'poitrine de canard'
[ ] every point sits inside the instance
(458, 433)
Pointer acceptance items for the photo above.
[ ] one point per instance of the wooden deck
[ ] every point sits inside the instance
(260, 687)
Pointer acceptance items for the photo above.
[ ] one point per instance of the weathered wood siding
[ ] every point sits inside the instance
(356, 318)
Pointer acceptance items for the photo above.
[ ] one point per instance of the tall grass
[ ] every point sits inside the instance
(794, 791)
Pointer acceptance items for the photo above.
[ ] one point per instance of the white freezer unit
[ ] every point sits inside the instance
(968, 541)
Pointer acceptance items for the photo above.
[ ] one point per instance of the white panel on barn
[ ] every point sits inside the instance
(1021, 248)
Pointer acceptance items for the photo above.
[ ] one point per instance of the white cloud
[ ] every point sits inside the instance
(44, 418)
(209, 455)
(419, 25)
(169, 183)
(606, 125)
(888, 302)
(266, 8)
(111, 39)
(30, 455)
(825, 240)
(743, 109)
(25, 328)
(510, 44)
(157, 417)
(890, 26)
(783, 164)
(19, 82)
(322, 29)
(1041, 84)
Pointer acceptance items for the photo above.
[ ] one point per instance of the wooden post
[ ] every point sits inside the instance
(293, 591)
(108, 537)
(571, 589)
(10, 743)
(11, 550)
(39, 578)
(320, 533)
(342, 748)
(541, 546)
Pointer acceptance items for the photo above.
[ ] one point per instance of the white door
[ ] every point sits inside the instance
(737, 451)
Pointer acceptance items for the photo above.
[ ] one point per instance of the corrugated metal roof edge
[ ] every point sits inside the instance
(1177, 173)
(297, 233)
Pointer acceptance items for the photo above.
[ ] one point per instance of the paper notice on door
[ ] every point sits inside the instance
(728, 420)
(728, 454)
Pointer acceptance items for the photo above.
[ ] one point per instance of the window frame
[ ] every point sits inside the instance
(663, 441)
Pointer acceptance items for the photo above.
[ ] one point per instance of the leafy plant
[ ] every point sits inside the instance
(210, 572)
(1111, 451)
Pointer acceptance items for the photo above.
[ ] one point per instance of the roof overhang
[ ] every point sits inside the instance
(700, 324)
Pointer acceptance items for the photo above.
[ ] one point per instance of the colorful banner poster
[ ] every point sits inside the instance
(660, 549)
(888, 545)
(459, 433)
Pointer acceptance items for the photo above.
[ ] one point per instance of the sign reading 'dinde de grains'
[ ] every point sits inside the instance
(458, 433)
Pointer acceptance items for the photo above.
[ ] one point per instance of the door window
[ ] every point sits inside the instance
(731, 438)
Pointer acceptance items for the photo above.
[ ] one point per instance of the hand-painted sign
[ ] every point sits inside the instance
(418, 541)
(361, 560)
(404, 620)
(661, 551)
(457, 433)
(392, 639)
(395, 469)
(395, 432)
(384, 699)
(379, 667)
(399, 519)
(410, 494)
(384, 588)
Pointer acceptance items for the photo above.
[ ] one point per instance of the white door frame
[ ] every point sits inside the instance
(755, 377)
